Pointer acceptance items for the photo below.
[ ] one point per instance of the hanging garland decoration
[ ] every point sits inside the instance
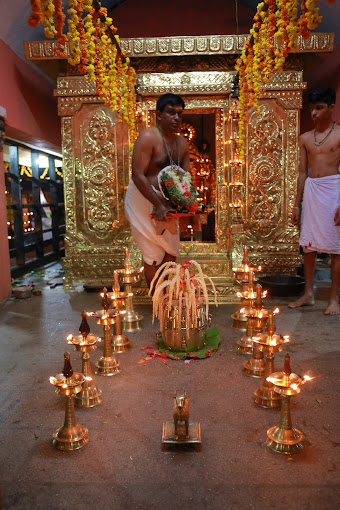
(36, 17)
(273, 36)
(94, 50)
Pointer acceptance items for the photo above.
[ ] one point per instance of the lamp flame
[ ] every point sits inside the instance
(294, 386)
(242, 310)
(239, 294)
(286, 339)
(264, 293)
(277, 310)
(88, 378)
(246, 268)
(64, 386)
(307, 378)
(69, 339)
(259, 268)
(273, 379)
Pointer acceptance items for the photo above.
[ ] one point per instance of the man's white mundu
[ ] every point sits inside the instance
(138, 211)
(321, 198)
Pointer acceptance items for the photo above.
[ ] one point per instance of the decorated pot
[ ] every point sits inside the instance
(179, 334)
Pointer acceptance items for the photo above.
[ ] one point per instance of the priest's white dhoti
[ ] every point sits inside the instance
(321, 198)
(138, 211)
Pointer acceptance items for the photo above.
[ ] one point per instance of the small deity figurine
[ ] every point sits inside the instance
(181, 412)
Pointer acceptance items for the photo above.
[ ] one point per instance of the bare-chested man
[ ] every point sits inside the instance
(319, 185)
(155, 149)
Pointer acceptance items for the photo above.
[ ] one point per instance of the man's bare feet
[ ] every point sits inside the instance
(305, 300)
(332, 308)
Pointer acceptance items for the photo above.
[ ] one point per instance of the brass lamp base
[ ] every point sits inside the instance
(239, 321)
(267, 397)
(245, 345)
(70, 438)
(89, 396)
(284, 441)
(120, 343)
(107, 366)
(168, 435)
(254, 367)
(132, 322)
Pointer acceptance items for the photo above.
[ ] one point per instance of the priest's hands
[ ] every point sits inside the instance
(161, 210)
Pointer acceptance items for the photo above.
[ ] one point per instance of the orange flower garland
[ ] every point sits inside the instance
(35, 18)
(59, 18)
(92, 51)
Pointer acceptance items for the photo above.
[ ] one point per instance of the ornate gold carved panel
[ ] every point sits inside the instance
(186, 83)
(182, 45)
(96, 173)
(272, 163)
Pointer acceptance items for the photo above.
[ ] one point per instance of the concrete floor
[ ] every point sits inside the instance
(123, 466)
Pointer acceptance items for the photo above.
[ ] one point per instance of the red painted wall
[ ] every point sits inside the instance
(28, 98)
(180, 17)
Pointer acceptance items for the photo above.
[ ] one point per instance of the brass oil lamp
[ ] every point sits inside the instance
(129, 276)
(269, 343)
(120, 341)
(90, 395)
(71, 436)
(254, 367)
(107, 364)
(284, 438)
(242, 273)
(247, 303)
(257, 318)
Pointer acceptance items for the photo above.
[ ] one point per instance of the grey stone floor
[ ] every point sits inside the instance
(124, 466)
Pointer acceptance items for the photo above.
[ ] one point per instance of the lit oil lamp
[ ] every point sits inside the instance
(284, 438)
(90, 395)
(107, 364)
(131, 320)
(247, 303)
(120, 341)
(269, 343)
(242, 273)
(71, 436)
(257, 318)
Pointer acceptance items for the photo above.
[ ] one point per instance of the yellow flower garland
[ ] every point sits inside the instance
(47, 12)
(89, 35)
(273, 36)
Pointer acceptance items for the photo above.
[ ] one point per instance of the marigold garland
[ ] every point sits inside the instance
(36, 17)
(93, 50)
(273, 36)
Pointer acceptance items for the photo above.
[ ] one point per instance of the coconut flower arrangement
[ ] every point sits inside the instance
(184, 283)
(178, 186)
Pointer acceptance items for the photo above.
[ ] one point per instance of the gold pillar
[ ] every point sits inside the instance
(96, 164)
